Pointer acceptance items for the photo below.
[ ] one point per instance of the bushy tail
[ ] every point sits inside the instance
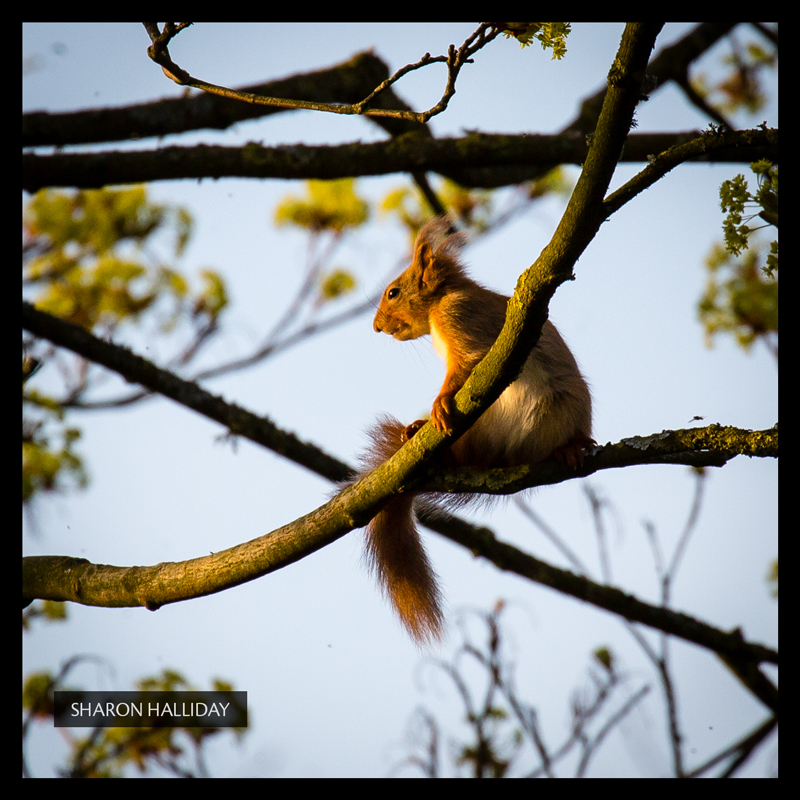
(395, 552)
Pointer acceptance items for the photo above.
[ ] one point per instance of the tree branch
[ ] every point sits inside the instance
(742, 660)
(711, 446)
(342, 83)
(518, 155)
(64, 578)
(701, 147)
(136, 369)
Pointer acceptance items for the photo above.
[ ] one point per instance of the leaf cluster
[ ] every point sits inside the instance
(88, 259)
(326, 206)
(735, 196)
(741, 294)
(550, 35)
(50, 610)
(739, 298)
(86, 252)
(49, 460)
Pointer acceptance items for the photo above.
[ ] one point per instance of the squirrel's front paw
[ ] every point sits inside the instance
(409, 431)
(442, 412)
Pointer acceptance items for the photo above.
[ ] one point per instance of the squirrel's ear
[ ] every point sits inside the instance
(423, 259)
(423, 254)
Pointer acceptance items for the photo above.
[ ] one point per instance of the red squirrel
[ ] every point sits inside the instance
(546, 411)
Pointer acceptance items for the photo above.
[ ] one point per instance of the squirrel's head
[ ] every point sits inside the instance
(406, 304)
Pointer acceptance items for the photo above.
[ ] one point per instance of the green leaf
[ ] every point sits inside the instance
(327, 205)
(551, 35)
(335, 284)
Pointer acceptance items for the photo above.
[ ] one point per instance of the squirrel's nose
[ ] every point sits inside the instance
(377, 327)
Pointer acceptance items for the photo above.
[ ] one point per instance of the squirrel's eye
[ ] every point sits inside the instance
(392, 293)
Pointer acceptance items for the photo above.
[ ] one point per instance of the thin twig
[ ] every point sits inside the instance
(680, 548)
(596, 504)
(455, 60)
(609, 725)
(551, 535)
